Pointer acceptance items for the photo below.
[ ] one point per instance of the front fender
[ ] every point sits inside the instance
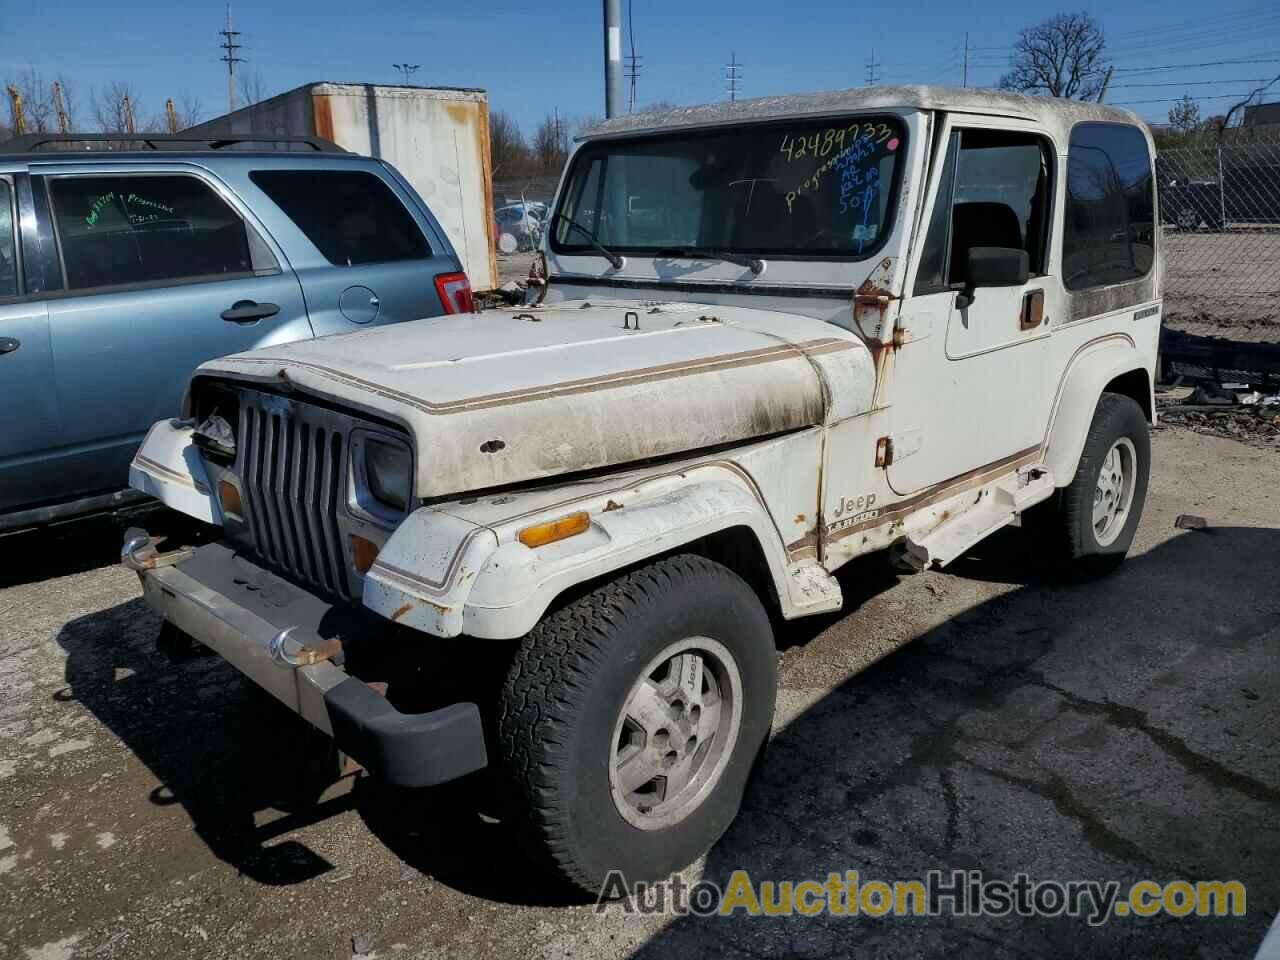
(168, 467)
(1092, 367)
(446, 574)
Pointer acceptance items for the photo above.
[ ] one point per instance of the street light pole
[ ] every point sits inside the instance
(406, 69)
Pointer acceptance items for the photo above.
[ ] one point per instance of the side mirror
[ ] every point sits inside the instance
(993, 267)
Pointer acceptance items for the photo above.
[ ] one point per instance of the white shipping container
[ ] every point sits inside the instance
(438, 137)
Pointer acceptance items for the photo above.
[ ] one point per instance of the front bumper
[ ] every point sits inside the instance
(288, 641)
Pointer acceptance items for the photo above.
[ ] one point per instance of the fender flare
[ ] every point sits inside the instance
(1094, 365)
(446, 575)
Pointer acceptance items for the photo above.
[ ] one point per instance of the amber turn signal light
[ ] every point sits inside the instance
(539, 535)
(229, 497)
(363, 553)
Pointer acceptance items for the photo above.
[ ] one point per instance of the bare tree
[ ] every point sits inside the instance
(1184, 118)
(1059, 57)
(250, 88)
(191, 112)
(551, 142)
(507, 150)
(112, 105)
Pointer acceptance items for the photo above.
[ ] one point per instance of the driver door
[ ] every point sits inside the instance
(968, 390)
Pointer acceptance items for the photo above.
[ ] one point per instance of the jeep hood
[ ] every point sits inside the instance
(508, 396)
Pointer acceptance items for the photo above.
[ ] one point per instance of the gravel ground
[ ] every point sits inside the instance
(1120, 730)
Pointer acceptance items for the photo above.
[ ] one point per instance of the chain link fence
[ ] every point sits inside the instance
(1220, 209)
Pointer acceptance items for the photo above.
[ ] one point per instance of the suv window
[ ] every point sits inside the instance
(352, 217)
(994, 192)
(1108, 229)
(8, 249)
(128, 229)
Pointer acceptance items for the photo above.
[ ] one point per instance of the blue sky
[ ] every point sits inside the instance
(532, 57)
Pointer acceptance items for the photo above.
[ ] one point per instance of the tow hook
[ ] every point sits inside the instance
(141, 551)
(298, 647)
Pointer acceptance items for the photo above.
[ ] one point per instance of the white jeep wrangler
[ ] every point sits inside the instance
(771, 336)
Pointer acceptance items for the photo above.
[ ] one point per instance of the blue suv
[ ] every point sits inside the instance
(121, 270)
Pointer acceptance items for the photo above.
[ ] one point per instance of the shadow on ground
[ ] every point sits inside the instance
(1121, 729)
(1116, 730)
(86, 543)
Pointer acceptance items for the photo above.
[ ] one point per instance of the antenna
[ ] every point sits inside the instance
(733, 77)
(873, 69)
(633, 61)
(407, 69)
(230, 46)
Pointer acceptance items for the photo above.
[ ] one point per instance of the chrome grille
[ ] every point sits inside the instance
(291, 460)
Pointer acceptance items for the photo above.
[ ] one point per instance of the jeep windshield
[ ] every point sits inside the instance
(820, 189)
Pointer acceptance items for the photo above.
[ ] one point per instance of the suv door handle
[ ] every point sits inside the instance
(249, 311)
(8, 344)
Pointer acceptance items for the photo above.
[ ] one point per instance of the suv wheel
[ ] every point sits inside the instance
(631, 719)
(1188, 219)
(1091, 522)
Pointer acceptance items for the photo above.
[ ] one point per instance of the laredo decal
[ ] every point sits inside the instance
(846, 522)
(1145, 312)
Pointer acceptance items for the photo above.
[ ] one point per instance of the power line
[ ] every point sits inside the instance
(1190, 83)
(1189, 66)
(1216, 96)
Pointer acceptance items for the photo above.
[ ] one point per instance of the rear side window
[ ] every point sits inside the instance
(352, 217)
(120, 230)
(8, 248)
(1108, 229)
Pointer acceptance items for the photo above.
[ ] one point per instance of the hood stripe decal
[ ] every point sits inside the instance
(665, 371)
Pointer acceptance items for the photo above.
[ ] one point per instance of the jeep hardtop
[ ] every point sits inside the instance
(769, 337)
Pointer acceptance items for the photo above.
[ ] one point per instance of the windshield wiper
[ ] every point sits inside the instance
(604, 251)
(753, 264)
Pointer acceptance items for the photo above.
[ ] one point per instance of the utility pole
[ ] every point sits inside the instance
(229, 47)
(964, 82)
(64, 122)
(873, 66)
(1106, 82)
(127, 106)
(15, 108)
(406, 69)
(733, 76)
(633, 61)
(612, 58)
(171, 115)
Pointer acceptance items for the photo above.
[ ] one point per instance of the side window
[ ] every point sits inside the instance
(8, 247)
(932, 274)
(126, 229)
(1108, 227)
(999, 188)
(351, 216)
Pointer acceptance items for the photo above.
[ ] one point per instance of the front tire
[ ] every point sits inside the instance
(1090, 523)
(631, 718)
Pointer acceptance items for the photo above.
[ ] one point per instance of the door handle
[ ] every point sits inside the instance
(8, 344)
(249, 311)
(1032, 310)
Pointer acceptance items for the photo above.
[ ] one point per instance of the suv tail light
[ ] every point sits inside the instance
(455, 293)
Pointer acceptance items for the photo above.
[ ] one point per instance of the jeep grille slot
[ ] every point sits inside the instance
(292, 471)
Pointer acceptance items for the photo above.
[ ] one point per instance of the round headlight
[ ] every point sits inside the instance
(387, 467)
